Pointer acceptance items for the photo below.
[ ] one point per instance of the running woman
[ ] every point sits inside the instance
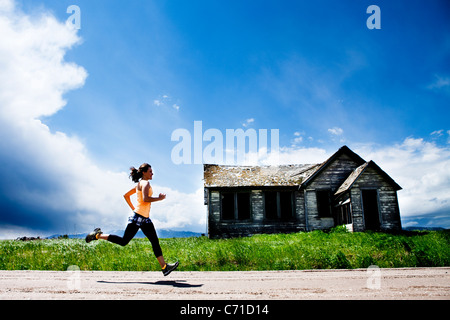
(141, 218)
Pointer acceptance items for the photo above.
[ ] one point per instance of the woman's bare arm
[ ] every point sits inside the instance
(146, 197)
(127, 197)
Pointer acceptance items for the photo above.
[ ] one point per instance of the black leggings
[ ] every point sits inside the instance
(132, 228)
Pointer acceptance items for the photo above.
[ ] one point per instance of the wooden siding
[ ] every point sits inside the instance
(387, 201)
(330, 179)
(333, 176)
(257, 224)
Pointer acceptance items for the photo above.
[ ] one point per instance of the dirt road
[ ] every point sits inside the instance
(408, 283)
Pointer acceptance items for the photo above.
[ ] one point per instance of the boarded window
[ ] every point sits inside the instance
(323, 203)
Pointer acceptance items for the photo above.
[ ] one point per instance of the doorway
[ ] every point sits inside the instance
(370, 208)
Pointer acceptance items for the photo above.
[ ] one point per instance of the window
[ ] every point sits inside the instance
(344, 213)
(278, 205)
(235, 205)
(271, 205)
(227, 206)
(243, 206)
(285, 205)
(323, 203)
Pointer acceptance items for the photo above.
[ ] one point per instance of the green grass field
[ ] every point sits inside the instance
(305, 250)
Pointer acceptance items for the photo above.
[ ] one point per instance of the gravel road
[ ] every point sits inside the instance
(407, 283)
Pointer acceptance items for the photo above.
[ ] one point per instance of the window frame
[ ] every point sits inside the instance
(320, 205)
(235, 216)
(280, 216)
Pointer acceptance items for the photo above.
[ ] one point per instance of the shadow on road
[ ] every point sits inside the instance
(176, 283)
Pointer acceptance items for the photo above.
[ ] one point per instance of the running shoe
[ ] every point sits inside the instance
(93, 235)
(169, 268)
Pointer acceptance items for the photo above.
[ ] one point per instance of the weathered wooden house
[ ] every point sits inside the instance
(343, 190)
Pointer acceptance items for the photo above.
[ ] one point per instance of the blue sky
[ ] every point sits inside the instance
(136, 71)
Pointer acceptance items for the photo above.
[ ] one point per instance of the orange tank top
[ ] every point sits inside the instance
(143, 208)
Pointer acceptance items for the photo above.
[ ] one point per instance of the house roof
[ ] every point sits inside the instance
(285, 175)
(251, 176)
(323, 165)
(353, 177)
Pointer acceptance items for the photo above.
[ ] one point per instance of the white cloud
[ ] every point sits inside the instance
(287, 155)
(410, 224)
(51, 170)
(6, 5)
(179, 210)
(437, 133)
(12, 232)
(298, 138)
(35, 65)
(440, 82)
(34, 78)
(336, 131)
(165, 100)
(421, 168)
(248, 122)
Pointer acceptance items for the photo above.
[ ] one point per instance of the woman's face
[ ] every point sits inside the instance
(148, 175)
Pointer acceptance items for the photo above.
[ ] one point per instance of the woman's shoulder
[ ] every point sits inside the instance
(144, 183)
(141, 185)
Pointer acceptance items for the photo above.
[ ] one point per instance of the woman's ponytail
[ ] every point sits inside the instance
(136, 175)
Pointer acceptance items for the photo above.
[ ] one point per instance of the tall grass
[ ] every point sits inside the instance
(304, 250)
